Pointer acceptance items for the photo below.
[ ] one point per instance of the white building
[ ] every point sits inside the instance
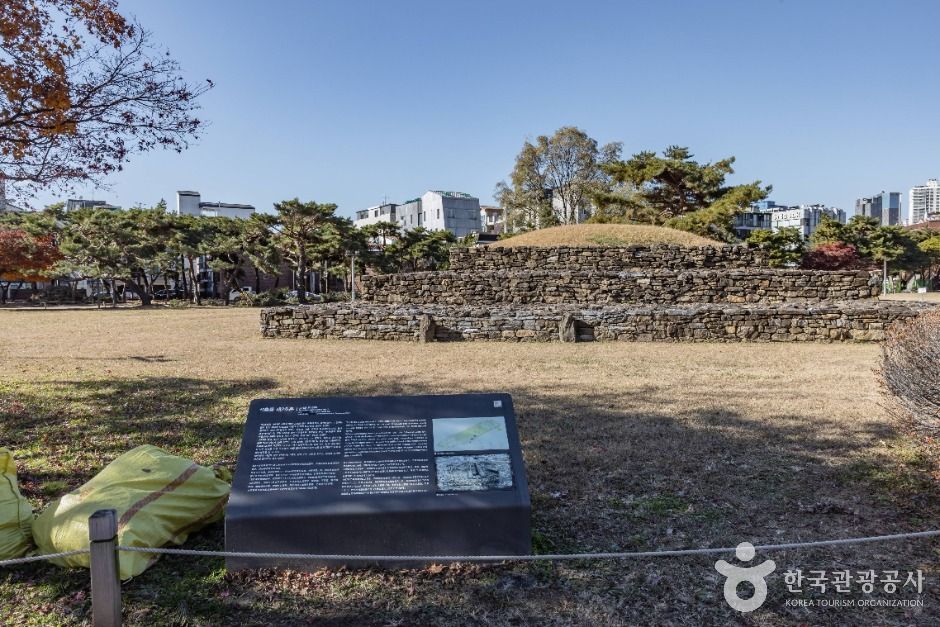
(571, 215)
(74, 204)
(456, 212)
(6, 205)
(386, 212)
(924, 202)
(190, 204)
(492, 219)
(805, 218)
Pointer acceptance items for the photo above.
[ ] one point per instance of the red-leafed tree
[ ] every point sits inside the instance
(82, 89)
(24, 257)
(831, 256)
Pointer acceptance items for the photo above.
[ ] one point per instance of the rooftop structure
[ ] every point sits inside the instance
(189, 203)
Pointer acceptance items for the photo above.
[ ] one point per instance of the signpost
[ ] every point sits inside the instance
(402, 475)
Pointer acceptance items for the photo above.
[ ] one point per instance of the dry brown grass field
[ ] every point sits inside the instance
(605, 235)
(627, 447)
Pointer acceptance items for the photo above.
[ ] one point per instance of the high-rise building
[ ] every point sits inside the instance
(884, 207)
(924, 202)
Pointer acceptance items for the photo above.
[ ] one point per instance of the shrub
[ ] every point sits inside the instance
(910, 370)
(335, 297)
(270, 298)
(831, 256)
(783, 248)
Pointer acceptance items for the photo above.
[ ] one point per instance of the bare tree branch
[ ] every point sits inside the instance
(81, 90)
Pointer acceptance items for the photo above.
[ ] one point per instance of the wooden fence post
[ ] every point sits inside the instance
(105, 580)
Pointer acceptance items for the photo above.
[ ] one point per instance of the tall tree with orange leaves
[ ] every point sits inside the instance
(82, 88)
(25, 257)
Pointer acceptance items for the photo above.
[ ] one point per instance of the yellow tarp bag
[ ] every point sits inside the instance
(16, 515)
(160, 499)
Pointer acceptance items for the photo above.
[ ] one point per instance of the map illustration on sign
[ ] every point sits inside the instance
(462, 473)
(470, 434)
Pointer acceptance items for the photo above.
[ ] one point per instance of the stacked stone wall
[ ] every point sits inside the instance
(633, 293)
(828, 322)
(526, 287)
(611, 259)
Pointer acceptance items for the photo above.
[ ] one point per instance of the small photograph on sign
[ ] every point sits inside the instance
(463, 473)
(470, 434)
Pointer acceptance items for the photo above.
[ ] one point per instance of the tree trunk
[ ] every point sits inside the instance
(302, 276)
(140, 290)
(233, 286)
(181, 275)
(194, 283)
(225, 292)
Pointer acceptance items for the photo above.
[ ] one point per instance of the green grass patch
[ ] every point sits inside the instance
(659, 506)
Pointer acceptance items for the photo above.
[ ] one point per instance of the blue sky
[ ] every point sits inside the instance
(353, 101)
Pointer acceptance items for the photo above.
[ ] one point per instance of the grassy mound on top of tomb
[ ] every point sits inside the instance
(605, 235)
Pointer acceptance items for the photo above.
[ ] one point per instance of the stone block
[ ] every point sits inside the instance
(427, 328)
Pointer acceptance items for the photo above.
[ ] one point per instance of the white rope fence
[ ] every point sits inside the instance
(40, 558)
(106, 584)
(545, 557)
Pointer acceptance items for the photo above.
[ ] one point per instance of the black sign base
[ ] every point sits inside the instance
(397, 476)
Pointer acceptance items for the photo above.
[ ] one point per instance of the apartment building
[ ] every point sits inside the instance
(924, 202)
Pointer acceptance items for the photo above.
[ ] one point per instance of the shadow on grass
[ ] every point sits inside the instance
(605, 473)
(65, 431)
(147, 359)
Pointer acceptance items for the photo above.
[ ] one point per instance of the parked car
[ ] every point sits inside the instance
(309, 295)
(167, 294)
(237, 294)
